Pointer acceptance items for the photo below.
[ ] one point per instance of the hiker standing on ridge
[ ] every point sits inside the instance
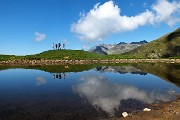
(59, 45)
(64, 46)
(56, 46)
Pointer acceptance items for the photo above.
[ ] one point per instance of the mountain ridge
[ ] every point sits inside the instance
(122, 47)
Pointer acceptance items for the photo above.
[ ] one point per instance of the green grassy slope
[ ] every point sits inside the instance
(166, 46)
(9, 57)
(65, 54)
(56, 55)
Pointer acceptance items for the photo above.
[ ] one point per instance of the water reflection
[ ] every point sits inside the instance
(87, 93)
(121, 69)
(168, 72)
(106, 95)
(59, 76)
(40, 80)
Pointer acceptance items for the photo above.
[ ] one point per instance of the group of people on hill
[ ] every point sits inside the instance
(58, 46)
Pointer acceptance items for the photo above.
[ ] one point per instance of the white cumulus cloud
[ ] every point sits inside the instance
(167, 12)
(39, 36)
(106, 19)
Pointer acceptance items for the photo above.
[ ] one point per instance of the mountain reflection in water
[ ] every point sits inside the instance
(121, 69)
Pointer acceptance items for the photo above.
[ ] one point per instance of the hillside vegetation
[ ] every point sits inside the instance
(164, 47)
(9, 57)
(65, 54)
(56, 55)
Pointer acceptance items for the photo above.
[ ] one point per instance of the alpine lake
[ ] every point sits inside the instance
(87, 92)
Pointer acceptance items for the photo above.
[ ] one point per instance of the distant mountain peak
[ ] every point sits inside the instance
(119, 48)
(121, 43)
(141, 42)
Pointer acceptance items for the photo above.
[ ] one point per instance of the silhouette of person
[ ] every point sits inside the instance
(57, 76)
(53, 76)
(64, 75)
(56, 46)
(59, 45)
(60, 76)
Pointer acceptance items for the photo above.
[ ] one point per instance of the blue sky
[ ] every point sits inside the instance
(31, 26)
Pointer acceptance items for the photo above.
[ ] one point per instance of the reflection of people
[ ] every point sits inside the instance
(53, 76)
(59, 76)
(64, 75)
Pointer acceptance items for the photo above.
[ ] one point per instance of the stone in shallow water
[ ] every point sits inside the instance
(146, 109)
(124, 114)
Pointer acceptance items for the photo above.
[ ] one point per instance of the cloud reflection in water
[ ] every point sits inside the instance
(107, 95)
(40, 81)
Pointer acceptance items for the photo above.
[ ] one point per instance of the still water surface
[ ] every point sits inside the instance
(97, 93)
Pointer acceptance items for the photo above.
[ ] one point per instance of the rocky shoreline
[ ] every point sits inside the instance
(74, 62)
(162, 111)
